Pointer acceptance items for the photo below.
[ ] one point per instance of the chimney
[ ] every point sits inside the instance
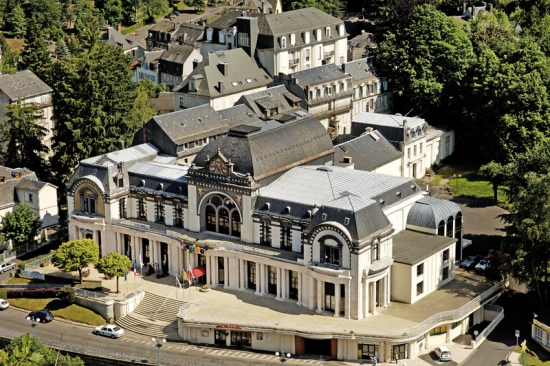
(17, 175)
(264, 7)
(220, 86)
(195, 63)
(119, 28)
(121, 144)
(109, 32)
(223, 67)
(362, 31)
(404, 130)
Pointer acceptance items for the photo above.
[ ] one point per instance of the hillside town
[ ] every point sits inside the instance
(270, 181)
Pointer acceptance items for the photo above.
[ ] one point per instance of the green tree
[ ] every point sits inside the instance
(48, 16)
(8, 62)
(21, 225)
(142, 110)
(389, 15)
(16, 22)
(93, 106)
(62, 50)
(114, 265)
(494, 173)
(527, 226)
(87, 30)
(36, 56)
(426, 62)
(112, 10)
(20, 352)
(199, 5)
(332, 7)
(150, 87)
(152, 7)
(75, 255)
(21, 139)
(129, 10)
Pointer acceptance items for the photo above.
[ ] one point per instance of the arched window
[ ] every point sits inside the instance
(441, 228)
(222, 216)
(327, 32)
(450, 221)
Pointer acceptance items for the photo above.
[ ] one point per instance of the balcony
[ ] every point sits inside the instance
(293, 62)
(328, 55)
(328, 112)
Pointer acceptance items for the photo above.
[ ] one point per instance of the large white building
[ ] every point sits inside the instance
(264, 210)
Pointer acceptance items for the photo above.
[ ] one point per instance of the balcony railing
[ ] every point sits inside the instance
(327, 112)
(293, 62)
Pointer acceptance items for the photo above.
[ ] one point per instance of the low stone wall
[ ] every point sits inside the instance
(103, 307)
(127, 306)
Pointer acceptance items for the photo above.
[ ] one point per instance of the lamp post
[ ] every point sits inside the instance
(158, 343)
(283, 356)
(33, 323)
(457, 176)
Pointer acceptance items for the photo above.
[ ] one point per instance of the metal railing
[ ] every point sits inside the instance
(105, 353)
(133, 293)
(270, 253)
(485, 332)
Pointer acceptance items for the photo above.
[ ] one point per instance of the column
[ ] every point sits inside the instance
(258, 278)
(347, 301)
(228, 338)
(242, 275)
(311, 303)
(208, 270)
(300, 290)
(383, 292)
(373, 297)
(284, 283)
(338, 295)
(265, 279)
(448, 334)
(214, 261)
(279, 284)
(319, 296)
(427, 340)
(225, 272)
(365, 295)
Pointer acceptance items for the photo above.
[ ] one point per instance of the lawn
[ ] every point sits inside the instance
(61, 309)
(534, 356)
(22, 281)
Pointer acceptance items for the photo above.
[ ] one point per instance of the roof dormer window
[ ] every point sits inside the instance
(293, 39)
(327, 32)
(341, 30)
(318, 31)
(306, 37)
(283, 42)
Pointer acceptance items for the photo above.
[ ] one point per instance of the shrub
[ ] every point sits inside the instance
(68, 294)
(39, 293)
(205, 287)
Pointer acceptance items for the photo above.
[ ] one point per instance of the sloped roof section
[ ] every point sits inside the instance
(367, 152)
(410, 247)
(23, 84)
(429, 211)
(124, 155)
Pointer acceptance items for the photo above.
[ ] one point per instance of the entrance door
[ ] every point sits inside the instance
(251, 275)
(330, 299)
(127, 246)
(293, 285)
(221, 271)
(367, 351)
(377, 296)
(145, 250)
(399, 350)
(272, 280)
(219, 336)
(317, 347)
(414, 170)
(164, 257)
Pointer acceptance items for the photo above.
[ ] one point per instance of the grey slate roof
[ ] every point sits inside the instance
(411, 247)
(367, 152)
(365, 39)
(269, 151)
(359, 70)
(339, 193)
(22, 84)
(242, 74)
(190, 33)
(114, 37)
(318, 75)
(430, 211)
(274, 97)
(177, 54)
(166, 179)
(165, 26)
(229, 19)
(390, 126)
(27, 181)
(300, 20)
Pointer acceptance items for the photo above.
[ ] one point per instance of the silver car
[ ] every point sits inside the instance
(111, 331)
(443, 353)
(4, 304)
(6, 266)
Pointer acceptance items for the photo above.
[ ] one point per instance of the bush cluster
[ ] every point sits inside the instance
(68, 294)
(38, 293)
(23, 263)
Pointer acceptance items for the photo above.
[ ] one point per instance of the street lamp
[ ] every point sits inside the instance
(33, 323)
(283, 357)
(457, 176)
(158, 343)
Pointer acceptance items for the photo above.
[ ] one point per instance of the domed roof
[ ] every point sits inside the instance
(429, 211)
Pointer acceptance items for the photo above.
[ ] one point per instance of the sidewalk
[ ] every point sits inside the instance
(513, 358)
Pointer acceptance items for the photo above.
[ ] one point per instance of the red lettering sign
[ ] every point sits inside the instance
(228, 326)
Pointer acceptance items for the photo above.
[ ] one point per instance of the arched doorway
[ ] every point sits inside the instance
(222, 216)
(441, 228)
(458, 235)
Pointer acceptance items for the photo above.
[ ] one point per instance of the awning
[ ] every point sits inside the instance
(197, 272)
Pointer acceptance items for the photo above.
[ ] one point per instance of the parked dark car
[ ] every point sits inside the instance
(470, 261)
(43, 316)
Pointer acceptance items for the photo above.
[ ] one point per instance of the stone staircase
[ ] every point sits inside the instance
(147, 321)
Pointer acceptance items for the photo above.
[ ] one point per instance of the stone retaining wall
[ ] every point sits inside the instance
(103, 307)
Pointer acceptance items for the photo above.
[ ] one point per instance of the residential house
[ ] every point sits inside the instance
(326, 93)
(184, 133)
(282, 42)
(129, 46)
(370, 91)
(421, 144)
(147, 67)
(361, 46)
(220, 80)
(25, 85)
(20, 185)
(165, 35)
(261, 209)
(176, 64)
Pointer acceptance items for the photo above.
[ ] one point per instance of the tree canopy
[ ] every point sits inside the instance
(114, 265)
(36, 56)
(21, 225)
(29, 351)
(75, 255)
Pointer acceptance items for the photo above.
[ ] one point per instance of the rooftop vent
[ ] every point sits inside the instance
(324, 168)
(381, 201)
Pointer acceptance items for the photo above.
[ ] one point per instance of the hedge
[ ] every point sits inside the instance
(39, 293)
(22, 264)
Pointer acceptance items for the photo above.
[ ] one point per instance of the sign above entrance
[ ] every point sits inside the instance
(228, 326)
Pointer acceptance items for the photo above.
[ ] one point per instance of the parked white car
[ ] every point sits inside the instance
(483, 265)
(111, 331)
(443, 353)
(4, 304)
(6, 266)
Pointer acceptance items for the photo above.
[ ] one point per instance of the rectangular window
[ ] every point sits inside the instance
(88, 205)
(456, 324)
(420, 148)
(332, 255)
(30, 197)
(122, 207)
(244, 39)
(160, 212)
(374, 253)
(538, 334)
(266, 233)
(320, 53)
(179, 216)
(142, 212)
(120, 182)
(445, 273)
(438, 330)
(414, 150)
(420, 269)
(409, 153)
(446, 254)
(286, 237)
(419, 288)
(307, 55)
